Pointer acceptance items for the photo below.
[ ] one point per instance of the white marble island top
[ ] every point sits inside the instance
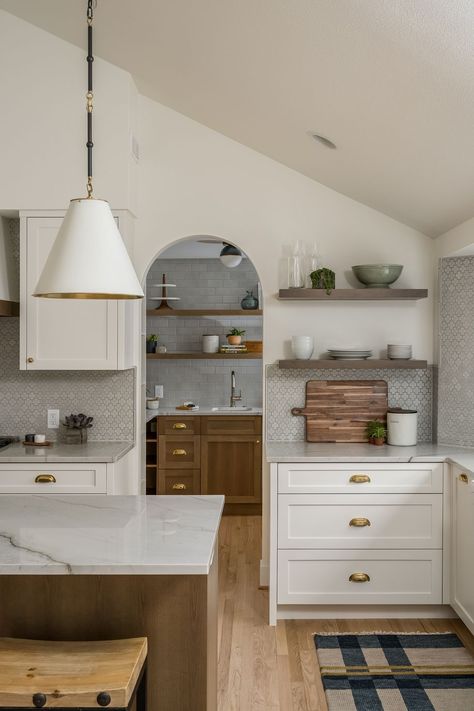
(108, 535)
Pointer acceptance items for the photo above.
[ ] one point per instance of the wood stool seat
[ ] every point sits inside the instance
(70, 674)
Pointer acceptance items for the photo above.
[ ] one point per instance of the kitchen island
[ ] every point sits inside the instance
(108, 567)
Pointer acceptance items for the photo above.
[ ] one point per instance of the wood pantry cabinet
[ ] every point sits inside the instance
(69, 334)
(212, 455)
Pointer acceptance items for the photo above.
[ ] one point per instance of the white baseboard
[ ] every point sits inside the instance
(264, 574)
(363, 612)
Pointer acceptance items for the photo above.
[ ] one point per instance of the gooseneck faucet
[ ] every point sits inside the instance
(233, 397)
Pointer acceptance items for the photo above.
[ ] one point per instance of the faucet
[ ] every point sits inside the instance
(233, 397)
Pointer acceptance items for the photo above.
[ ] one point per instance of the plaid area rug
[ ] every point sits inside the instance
(396, 672)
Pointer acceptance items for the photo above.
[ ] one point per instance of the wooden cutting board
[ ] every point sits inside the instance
(338, 410)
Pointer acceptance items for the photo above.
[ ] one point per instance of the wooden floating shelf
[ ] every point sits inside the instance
(205, 312)
(362, 364)
(204, 356)
(353, 294)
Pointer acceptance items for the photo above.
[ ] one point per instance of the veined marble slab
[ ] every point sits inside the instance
(90, 452)
(205, 410)
(108, 535)
(327, 452)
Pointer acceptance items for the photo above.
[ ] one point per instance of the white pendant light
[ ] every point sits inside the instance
(88, 259)
(230, 256)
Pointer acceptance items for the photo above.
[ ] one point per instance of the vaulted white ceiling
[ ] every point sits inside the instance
(391, 82)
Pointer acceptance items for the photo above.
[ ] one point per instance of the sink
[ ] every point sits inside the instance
(231, 409)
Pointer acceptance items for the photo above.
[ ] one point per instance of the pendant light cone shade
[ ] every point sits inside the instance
(230, 256)
(88, 259)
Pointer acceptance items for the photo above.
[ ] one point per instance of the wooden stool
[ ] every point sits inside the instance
(72, 675)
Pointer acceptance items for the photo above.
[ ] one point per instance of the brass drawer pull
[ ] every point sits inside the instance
(359, 522)
(179, 426)
(464, 478)
(359, 578)
(179, 486)
(45, 479)
(179, 452)
(360, 479)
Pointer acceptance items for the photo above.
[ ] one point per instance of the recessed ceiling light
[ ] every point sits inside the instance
(324, 141)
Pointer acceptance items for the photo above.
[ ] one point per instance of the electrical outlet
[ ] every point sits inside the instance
(53, 419)
(158, 391)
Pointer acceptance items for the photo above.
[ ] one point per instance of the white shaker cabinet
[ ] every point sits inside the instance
(462, 557)
(69, 334)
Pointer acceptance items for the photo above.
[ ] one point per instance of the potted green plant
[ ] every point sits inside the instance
(376, 432)
(151, 342)
(76, 427)
(323, 278)
(234, 337)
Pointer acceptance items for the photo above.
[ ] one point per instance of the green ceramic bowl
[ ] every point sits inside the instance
(377, 276)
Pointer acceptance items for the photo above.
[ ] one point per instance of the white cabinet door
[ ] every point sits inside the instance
(61, 334)
(463, 546)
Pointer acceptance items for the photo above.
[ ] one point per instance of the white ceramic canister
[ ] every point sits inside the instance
(402, 427)
(210, 343)
(302, 347)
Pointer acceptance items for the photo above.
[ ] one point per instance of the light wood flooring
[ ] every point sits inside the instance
(268, 668)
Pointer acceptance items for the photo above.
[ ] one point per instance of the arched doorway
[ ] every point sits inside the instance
(205, 297)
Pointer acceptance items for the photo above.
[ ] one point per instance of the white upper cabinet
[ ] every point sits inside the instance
(69, 334)
(462, 569)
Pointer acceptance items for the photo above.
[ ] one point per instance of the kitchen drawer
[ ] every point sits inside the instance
(329, 478)
(175, 481)
(53, 479)
(350, 521)
(180, 425)
(232, 425)
(410, 577)
(179, 452)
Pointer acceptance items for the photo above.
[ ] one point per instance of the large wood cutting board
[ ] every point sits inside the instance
(338, 410)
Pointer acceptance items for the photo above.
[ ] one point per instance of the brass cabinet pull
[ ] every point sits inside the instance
(179, 452)
(464, 478)
(360, 479)
(30, 360)
(359, 578)
(179, 426)
(179, 486)
(359, 522)
(45, 479)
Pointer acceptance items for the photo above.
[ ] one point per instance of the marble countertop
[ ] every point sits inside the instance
(203, 410)
(90, 452)
(108, 535)
(326, 452)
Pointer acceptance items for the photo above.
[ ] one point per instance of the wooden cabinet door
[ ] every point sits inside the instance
(463, 547)
(61, 334)
(232, 465)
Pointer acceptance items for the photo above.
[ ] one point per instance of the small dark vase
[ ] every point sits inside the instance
(151, 346)
(249, 302)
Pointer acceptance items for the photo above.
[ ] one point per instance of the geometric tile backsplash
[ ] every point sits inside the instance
(456, 351)
(285, 389)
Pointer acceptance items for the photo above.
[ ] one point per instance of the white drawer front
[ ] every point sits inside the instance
(351, 521)
(55, 479)
(396, 577)
(360, 478)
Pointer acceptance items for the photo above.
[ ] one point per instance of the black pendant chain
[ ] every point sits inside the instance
(89, 96)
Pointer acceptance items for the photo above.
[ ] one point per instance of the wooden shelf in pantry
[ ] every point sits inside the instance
(352, 294)
(204, 356)
(363, 364)
(234, 313)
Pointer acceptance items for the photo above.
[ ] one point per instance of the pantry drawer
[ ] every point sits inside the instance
(179, 482)
(350, 521)
(329, 478)
(391, 577)
(53, 479)
(179, 452)
(180, 425)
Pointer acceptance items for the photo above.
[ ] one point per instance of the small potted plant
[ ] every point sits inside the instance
(76, 427)
(151, 342)
(323, 278)
(234, 337)
(376, 432)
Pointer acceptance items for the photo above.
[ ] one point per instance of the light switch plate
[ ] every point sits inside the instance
(158, 391)
(53, 419)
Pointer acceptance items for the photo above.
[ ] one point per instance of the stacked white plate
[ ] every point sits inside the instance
(349, 353)
(399, 352)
